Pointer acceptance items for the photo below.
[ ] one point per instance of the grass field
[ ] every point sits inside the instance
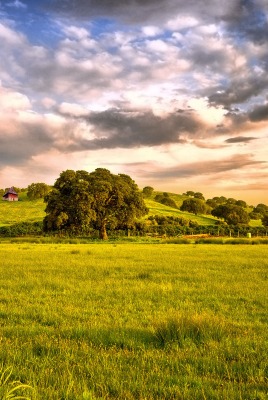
(133, 321)
(21, 211)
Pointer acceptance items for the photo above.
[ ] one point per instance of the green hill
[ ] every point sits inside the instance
(26, 210)
(156, 208)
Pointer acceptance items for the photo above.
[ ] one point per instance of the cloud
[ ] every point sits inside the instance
(115, 128)
(17, 4)
(211, 167)
(240, 139)
(259, 113)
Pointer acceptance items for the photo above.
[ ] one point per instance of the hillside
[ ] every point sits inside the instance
(25, 210)
(156, 208)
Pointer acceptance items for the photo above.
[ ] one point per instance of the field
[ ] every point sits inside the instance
(133, 321)
(21, 211)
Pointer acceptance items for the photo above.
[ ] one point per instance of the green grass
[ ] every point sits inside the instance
(156, 208)
(23, 210)
(135, 321)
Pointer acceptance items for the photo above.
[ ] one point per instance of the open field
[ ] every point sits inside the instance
(134, 321)
(21, 211)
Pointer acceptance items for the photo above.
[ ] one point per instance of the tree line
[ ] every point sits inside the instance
(229, 210)
(83, 203)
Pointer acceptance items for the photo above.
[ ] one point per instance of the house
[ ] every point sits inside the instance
(11, 195)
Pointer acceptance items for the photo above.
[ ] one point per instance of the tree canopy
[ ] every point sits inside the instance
(194, 205)
(81, 200)
(232, 214)
(37, 190)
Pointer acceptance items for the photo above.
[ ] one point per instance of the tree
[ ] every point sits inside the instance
(37, 190)
(100, 199)
(261, 209)
(241, 203)
(195, 206)
(232, 214)
(199, 195)
(69, 204)
(190, 193)
(147, 191)
(264, 220)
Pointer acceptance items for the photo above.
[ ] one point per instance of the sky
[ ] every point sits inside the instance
(173, 93)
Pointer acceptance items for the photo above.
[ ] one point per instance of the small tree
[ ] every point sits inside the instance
(199, 195)
(147, 191)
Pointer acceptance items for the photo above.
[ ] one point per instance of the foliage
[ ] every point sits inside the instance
(199, 195)
(232, 214)
(81, 200)
(37, 190)
(194, 205)
(241, 203)
(165, 199)
(265, 220)
(148, 191)
(261, 209)
(22, 229)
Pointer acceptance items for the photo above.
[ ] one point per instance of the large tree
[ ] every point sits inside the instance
(100, 199)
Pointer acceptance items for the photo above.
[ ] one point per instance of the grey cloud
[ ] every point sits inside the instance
(140, 11)
(239, 91)
(128, 129)
(240, 139)
(211, 167)
(259, 113)
(29, 141)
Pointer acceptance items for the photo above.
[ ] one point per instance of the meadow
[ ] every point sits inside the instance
(133, 321)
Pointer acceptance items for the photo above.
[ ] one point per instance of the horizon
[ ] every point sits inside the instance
(173, 93)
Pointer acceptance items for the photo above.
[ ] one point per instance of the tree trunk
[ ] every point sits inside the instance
(102, 232)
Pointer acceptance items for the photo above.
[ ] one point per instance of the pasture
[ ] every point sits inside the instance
(133, 321)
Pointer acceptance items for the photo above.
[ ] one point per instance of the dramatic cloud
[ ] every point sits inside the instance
(142, 85)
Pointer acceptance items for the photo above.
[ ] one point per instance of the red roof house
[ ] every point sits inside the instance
(11, 195)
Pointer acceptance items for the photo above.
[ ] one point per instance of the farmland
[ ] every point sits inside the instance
(134, 321)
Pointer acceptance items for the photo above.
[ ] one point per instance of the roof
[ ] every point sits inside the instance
(11, 191)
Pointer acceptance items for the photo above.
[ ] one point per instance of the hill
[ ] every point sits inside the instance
(26, 210)
(23, 210)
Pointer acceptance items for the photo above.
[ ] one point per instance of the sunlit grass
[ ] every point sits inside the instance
(21, 211)
(156, 208)
(135, 321)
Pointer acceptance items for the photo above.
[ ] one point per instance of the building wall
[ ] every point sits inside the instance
(11, 197)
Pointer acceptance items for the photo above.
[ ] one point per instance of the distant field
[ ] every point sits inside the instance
(134, 321)
(21, 211)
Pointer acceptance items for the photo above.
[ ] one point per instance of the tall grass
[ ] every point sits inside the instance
(134, 321)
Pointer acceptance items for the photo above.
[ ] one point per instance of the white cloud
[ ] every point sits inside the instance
(75, 110)
(181, 22)
(151, 31)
